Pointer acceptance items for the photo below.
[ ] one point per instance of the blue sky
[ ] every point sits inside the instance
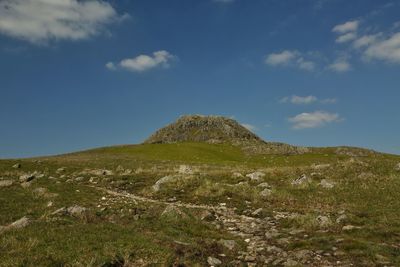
(83, 74)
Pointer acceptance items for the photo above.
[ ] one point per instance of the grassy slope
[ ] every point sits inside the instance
(367, 191)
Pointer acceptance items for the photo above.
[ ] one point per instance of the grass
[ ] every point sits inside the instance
(366, 189)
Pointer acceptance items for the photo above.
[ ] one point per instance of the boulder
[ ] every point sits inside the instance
(327, 184)
(60, 170)
(26, 178)
(173, 212)
(350, 227)
(323, 221)
(264, 185)
(302, 180)
(255, 176)
(165, 179)
(6, 183)
(213, 261)
(397, 167)
(21, 223)
(185, 169)
(74, 211)
(266, 192)
(17, 166)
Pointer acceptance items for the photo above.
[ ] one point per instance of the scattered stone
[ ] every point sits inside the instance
(26, 178)
(75, 211)
(257, 212)
(126, 172)
(79, 179)
(40, 191)
(229, 244)
(350, 227)
(50, 204)
(303, 179)
(6, 183)
(120, 168)
(256, 176)
(397, 167)
(342, 218)
(207, 216)
(26, 184)
(173, 212)
(213, 261)
(17, 166)
(166, 179)
(320, 166)
(290, 263)
(18, 224)
(264, 185)
(60, 170)
(323, 221)
(185, 169)
(266, 192)
(327, 184)
(237, 175)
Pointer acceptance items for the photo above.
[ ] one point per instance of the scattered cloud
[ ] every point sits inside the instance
(282, 58)
(349, 26)
(289, 58)
(313, 120)
(111, 66)
(143, 63)
(303, 100)
(39, 21)
(346, 37)
(385, 49)
(365, 40)
(340, 65)
(249, 127)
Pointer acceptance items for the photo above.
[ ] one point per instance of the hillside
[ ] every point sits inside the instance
(183, 199)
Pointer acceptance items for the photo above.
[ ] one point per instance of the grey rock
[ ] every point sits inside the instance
(342, 218)
(21, 223)
(213, 261)
(229, 244)
(302, 180)
(17, 166)
(166, 179)
(60, 170)
(185, 169)
(26, 178)
(327, 184)
(26, 184)
(264, 185)
(6, 183)
(256, 176)
(266, 192)
(397, 167)
(350, 227)
(323, 221)
(173, 212)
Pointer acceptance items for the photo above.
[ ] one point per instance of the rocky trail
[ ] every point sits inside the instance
(265, 239)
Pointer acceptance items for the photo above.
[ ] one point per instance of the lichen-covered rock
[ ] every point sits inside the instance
(255, 176)
(213, 261)
(26, 178)
(6, 183)
(157, 186)
(327, 184)
(302, 180)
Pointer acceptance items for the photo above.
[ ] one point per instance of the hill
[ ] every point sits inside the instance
(184, 199)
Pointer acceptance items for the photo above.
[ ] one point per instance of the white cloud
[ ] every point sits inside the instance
(289, 58)
(39, 21)
(282, 58)
(346, 37)
(385, 49)
(365, 40)
(111, 66)
(306, 65)
(143, 63)
(349, 26)
(249, 127)
(294, 99)
(340, 65)
(313, 119)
